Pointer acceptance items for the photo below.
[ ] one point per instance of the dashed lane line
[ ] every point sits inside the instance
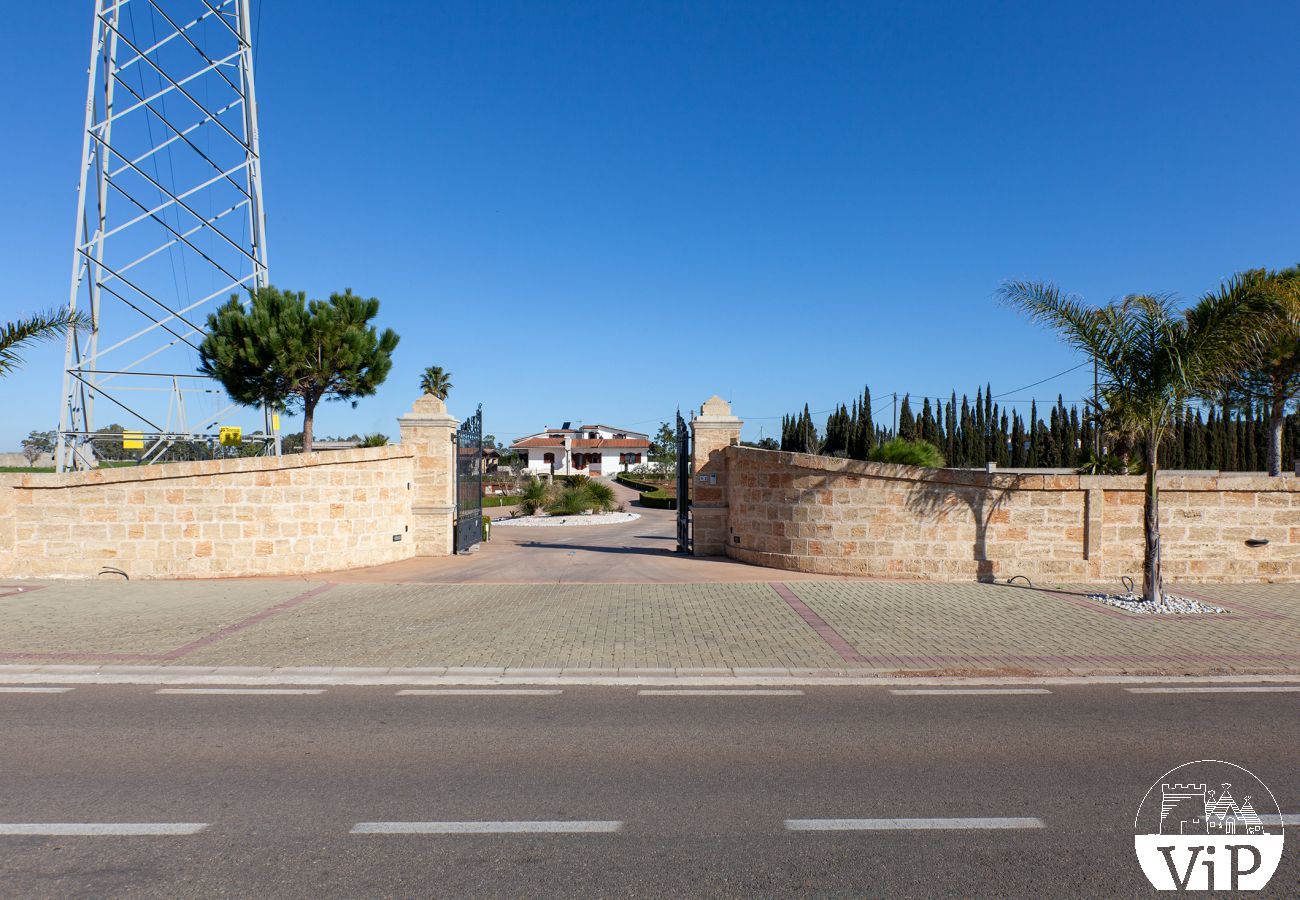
(248, 692)
(34, 690)
(480, 692)
(938, 692)
(912, 824)
(1255, 689)
(517, 827)
(101, 829)
(718, 692)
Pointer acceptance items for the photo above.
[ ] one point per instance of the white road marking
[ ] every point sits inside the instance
(935, 692)
(244, 691)
(1284, 819)
(719, 693)
(521, 827)
(480, 692)
(1258, 689)
(98, 829)
(34, 690)
(909, 824)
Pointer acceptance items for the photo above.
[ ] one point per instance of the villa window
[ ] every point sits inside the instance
(549, 459)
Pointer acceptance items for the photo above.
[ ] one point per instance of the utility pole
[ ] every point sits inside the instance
(895, 432)
(1096, 408)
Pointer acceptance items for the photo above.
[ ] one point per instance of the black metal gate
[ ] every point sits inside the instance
(683, 485)
(467, 444)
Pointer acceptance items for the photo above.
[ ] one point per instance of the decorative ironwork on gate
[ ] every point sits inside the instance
(468, 446)
(683, 485)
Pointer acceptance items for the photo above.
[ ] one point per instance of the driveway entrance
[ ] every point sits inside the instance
(642, 551)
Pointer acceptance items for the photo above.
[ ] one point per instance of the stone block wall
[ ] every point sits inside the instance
(845, 517)
(290, 515)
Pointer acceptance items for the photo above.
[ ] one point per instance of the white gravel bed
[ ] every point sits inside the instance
(1168, 605)
(561, 521)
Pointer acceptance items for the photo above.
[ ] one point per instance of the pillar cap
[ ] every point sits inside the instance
(716, 412)
(428, 410)
(715, 406)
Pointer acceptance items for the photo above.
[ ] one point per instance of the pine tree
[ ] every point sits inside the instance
(284, 352)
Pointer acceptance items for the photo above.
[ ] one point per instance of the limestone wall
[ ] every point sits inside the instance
(835, 516)
(263, 516)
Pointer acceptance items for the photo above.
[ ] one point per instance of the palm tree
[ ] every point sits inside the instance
(40, 327)
(1151, 360)
(437, 382)
(1272, 375)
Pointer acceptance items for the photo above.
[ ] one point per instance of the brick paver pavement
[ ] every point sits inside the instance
(905, 627)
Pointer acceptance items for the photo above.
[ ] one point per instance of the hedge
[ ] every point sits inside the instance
(494, 500)
(658, 500)
(624, 478)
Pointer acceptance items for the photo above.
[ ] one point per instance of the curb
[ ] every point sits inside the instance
(445, 676)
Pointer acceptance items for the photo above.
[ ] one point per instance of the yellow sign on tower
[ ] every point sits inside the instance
(231, 435)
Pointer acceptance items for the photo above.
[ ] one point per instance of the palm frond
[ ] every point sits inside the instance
(41, 326)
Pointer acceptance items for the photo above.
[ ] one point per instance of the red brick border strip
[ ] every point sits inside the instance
(833, 638)
(185, 649)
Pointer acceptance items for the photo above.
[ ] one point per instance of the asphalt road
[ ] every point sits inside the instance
(702, 785)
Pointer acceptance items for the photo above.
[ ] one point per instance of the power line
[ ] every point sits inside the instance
(1045, 380)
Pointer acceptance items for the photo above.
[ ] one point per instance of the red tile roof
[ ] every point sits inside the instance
(583, 443)
(601, 443)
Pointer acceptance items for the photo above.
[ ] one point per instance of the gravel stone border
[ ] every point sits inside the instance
(561, 521)
(1168, 605)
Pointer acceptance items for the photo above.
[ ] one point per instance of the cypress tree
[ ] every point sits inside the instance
(953, 437)
(906, 421)
(1017, 441)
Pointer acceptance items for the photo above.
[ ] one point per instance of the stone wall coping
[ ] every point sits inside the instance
(169, 471)
(1002, 480)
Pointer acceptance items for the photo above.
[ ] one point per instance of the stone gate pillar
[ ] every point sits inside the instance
(713, 430)
(428, 429)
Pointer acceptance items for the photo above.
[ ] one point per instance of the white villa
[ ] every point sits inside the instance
(584, 450)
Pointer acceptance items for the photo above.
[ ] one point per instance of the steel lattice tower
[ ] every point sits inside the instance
(169, 223)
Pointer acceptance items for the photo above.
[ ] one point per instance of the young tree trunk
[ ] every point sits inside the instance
(1276, 424)
(308, 416)
(1152, 583)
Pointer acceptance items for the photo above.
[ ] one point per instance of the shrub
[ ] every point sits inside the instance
(534, 497)
(600, 494)
(570, 502)
(902, 452)
(374, 440)
(578, 480)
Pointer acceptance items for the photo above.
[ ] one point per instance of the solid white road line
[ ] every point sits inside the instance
(740, 692)
(480, 692)
(98, 829)
(936, 692)
(1258, 689)
(522, 827)
(909, 824)
(1284, 819)
(244, 691)
(34, 690)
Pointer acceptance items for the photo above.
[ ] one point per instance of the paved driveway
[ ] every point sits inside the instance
(642, 551)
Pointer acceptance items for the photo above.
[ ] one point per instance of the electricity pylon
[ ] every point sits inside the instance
(169, 224)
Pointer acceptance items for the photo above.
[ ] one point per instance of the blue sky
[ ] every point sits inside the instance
(603, 211)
